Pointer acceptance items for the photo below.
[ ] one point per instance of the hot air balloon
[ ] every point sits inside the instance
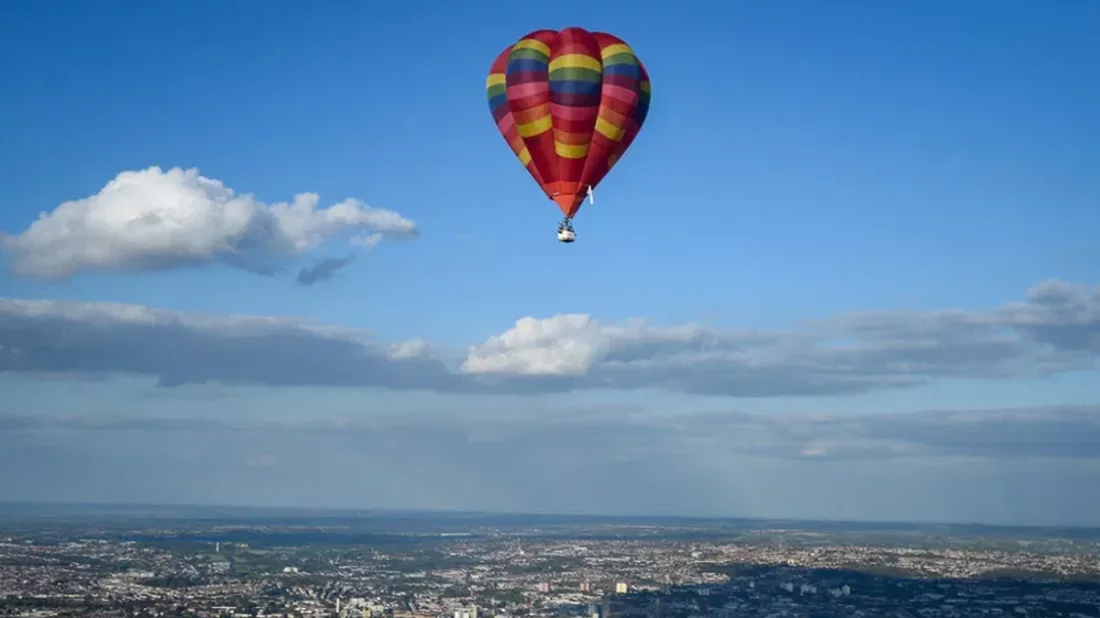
(569, 104)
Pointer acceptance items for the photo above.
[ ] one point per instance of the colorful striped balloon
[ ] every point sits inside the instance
(569, 104)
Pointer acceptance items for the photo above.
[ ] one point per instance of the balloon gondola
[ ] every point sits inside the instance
(568, 103)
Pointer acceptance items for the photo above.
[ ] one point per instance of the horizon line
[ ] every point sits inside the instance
(491, 513)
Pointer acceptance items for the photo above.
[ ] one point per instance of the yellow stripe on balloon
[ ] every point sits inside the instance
(608, 130)
(536, 127)
(495, 79)
(534, 44)
(571, 151)
(616, 48)
(576, 61)
(520, 150)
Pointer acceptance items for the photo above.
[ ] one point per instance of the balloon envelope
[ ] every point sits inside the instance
(569, 104)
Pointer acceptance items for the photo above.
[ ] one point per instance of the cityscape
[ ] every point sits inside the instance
(163, 561)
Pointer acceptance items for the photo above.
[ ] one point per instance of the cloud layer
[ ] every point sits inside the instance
(153, 220)
(630, 433)
(1056, 329)
(1035, 464)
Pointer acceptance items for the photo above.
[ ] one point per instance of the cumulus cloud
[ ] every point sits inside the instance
(154, 219)
(323, 270)
(1056, 329)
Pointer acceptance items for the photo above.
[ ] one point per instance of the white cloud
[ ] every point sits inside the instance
(153, 219)
(1057, 329)
(561, 345)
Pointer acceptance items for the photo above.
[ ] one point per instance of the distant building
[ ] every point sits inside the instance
(466, 612)
(622, 588)
(544, 586)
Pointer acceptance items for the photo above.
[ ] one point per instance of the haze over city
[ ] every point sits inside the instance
(848, 270)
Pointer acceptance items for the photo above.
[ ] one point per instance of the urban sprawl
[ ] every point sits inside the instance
(619, 572)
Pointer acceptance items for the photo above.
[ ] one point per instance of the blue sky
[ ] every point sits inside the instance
(803, 163)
